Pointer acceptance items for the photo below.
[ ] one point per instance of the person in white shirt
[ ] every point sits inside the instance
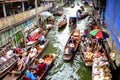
(32, 52)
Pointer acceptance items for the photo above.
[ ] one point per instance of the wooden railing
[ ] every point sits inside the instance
(8, 21)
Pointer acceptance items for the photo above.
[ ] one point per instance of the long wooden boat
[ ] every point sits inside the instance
(47, 60)
(14, 74)
(84, 15)
(87, 56)
(4, 67)
(34, 35)
(101, 68)
(76, 35)
(62, 23)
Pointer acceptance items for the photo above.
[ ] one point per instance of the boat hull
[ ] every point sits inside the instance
(62, 23)
(76, 35)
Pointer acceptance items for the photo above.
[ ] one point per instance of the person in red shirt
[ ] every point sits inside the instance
(41, 67)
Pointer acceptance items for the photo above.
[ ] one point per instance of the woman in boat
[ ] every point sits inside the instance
(89, 48)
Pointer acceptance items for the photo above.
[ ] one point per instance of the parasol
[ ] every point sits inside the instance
(99, 33)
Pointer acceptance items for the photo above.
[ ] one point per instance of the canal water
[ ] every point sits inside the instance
(74, 69)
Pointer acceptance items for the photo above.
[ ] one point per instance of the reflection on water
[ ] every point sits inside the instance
(65, 70)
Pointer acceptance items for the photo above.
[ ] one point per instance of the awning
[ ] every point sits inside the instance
(112, 20)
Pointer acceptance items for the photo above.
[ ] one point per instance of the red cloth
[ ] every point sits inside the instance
(17, 50)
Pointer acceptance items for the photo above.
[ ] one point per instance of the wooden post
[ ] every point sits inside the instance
(4, 10)
(23, 7)
(36, 11)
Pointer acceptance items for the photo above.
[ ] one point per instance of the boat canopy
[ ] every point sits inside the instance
(112, 20)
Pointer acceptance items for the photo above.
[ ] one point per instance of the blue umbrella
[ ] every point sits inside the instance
(45, 13)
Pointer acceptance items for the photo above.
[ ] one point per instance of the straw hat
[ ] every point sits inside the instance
(41, 60)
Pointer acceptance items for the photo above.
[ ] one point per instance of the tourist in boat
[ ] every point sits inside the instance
(35, 64)
(82, 8)
(32, 52)
(33, 49)
(41, 67)
(41, 64)
(64, 18)
(71, 48)
(20, 62)
(25, 59)
(41, 39)
(79, 14)
(17, 50)
(30, 73)
(72, 40)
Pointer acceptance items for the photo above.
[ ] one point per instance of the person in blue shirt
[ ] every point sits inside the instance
(30, 74)
(41, 39)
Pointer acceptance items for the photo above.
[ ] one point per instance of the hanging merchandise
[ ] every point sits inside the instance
(102, 15)
(19, 39)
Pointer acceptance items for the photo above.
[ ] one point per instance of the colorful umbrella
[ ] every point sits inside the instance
(45, 13)
(99, 33)
(93, 32)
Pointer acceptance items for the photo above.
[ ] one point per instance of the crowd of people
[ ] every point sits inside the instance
(36, 69)
(93, 49)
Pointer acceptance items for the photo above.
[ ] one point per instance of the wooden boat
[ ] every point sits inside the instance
(76, 35)
(14, 74)
(47, 60)
(58, 13)
(62, 23)
(34, 35)
(101, 68)
(84, 15)
(87, 56)
(4, 67)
